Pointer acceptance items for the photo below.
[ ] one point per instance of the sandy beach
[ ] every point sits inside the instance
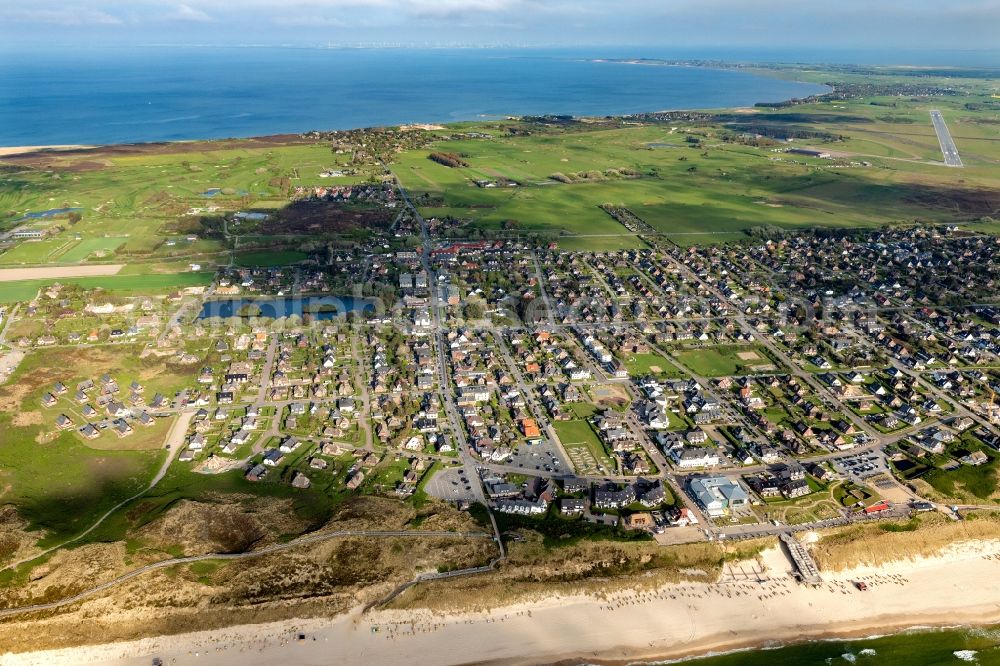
(954, 587)
(6, 151)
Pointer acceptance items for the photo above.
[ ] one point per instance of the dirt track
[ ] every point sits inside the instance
(11, 274)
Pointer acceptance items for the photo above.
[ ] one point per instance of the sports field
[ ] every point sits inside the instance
(650, 364)
(723, 360)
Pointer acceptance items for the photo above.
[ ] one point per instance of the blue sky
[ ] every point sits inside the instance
(839, 24)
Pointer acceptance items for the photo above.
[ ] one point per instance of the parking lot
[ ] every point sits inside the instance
(542, 457)
(861, 467)
(450, 484)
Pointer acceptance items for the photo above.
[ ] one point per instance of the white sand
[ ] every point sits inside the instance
(17, 150)
(956, 587)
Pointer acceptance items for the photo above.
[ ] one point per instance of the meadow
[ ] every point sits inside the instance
(697, 182)
(135, 199)
(46, 472)
(23, 290)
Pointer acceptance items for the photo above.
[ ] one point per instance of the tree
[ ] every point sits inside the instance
(474, 310)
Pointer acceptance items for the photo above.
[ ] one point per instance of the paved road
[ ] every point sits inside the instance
(269, 550)
(265, 375)
(549, 313)
(444, 393)
(11, 315)
(948, 148)
(361, 386)
(421, 578)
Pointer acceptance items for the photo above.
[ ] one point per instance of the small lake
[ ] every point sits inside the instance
(318, 307)
(52, 212)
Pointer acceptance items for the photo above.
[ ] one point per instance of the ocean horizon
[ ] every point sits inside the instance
(106, 96)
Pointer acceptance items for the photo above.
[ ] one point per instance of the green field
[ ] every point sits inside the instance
(271, 258)
(651, 364)
(22, 290)
(58, 481)
(722, 360)
(579, 434)
(886, 170)
(83, 250)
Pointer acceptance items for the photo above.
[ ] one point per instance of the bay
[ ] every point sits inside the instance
(99, 96)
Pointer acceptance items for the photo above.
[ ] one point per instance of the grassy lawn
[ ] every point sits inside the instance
(651, 364)
(578, 434)
(83, 250)
(822, 503)
(582, 410)
(270, 258)
(721, 360)
(143, 438)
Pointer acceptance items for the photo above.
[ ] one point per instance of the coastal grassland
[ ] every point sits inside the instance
(58, 481)
(972, 484)
(134, 198)
(60, 485)
(151, 283)
(319, 580)
(692, 182)
(536, 569)
(879, 543)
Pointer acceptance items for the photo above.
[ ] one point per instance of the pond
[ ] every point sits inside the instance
(318, 307)
(52, 212)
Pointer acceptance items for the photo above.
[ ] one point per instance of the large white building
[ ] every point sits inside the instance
(692, 457)
(717, 495)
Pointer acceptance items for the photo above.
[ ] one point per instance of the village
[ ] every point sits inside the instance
(688, 394)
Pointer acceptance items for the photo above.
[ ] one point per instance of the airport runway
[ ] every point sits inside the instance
(948, 148)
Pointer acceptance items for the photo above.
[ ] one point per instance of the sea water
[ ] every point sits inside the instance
(937, 647)
(117, 95)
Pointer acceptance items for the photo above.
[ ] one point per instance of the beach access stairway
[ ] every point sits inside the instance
(805, 566)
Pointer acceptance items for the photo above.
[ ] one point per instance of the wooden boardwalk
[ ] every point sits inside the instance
(805, 566)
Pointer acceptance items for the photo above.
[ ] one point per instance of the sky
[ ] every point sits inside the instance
(836, 24)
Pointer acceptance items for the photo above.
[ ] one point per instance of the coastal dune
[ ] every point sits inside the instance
(956, 586)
